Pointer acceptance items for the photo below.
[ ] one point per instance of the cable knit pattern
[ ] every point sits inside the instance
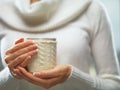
(46, 57)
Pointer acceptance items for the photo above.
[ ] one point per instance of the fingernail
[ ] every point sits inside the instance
(36, 44)
(29, 57)
(36, 74)
(14, 70)
(36, 51)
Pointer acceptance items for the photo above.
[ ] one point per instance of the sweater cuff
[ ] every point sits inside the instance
(7, 81)
(6, 77)
(81, 80)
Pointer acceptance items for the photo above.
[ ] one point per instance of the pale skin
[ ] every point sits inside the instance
(20, 55)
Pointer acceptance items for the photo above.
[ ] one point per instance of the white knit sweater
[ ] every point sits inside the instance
(82, 31)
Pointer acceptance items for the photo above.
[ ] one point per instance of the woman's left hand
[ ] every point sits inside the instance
(46, 78)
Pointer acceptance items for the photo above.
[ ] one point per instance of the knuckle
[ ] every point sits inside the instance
(24, 64)
(16, 54)
(7, 52)
(19, 58)
(31, 53)
(6, 59)
(32, 47)
(22, 51)
(10, 67)
(27, 49)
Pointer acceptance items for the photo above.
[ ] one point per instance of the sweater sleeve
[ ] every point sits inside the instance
(105, 59)
(82, 81)
(6, 79)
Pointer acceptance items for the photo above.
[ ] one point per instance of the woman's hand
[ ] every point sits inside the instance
(20, 54)
(46, 78)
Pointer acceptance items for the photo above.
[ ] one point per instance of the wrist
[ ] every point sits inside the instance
(70, 70)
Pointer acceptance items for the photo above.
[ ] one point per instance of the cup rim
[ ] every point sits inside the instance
(53, 39)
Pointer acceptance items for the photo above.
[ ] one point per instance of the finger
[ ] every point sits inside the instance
(47, 74)
(46, 83)
(29, 77)
(20, 52)
(56, 80)
(26, 62)
(19, 40)
(20, 59)
(55, 72)
(18, 74)
(19, 46)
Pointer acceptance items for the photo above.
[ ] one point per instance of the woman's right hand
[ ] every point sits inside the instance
(20, 54)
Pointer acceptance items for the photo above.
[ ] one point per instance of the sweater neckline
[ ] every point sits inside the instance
(46, 15)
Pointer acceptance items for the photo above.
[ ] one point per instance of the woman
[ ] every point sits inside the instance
(82, 31)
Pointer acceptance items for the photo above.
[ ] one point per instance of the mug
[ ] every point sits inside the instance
(46, 57)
